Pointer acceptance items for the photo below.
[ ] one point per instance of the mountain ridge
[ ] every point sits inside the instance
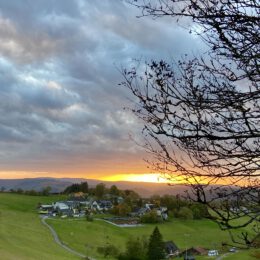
(145, 189)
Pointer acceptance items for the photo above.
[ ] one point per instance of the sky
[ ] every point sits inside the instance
(61, 109)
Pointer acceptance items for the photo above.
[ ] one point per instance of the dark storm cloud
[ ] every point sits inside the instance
(59, 79)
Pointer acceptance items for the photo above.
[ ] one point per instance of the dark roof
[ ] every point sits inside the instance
(105, 203)
(170, 247)
(72, 203)
(200, 250)
(196, 251)
(136, 210)
(66, 211)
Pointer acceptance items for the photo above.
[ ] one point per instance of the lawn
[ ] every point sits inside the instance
(87, 236)
(22, 236)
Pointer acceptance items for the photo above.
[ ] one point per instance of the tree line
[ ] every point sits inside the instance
(45, 191)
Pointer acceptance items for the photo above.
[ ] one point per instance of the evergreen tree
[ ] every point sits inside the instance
(156, 246)
(84, 187)
(100, 190)
(114, 190)
(77, 187)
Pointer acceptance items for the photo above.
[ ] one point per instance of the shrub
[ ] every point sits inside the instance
(199, 211)
(108, 250)
(150, 217)
(136, 249)
(185, 213)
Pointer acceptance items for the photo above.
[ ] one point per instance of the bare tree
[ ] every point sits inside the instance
(202, 116)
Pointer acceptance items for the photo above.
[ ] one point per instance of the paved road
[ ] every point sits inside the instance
(222, 256)
(226, 254)
(57, 240)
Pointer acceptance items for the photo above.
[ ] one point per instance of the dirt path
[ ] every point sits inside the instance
(57, 240)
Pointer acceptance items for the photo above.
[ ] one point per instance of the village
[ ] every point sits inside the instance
(78, 206)
(119, 210)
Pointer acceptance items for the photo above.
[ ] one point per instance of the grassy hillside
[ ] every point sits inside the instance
(22, 236)
(87, 236)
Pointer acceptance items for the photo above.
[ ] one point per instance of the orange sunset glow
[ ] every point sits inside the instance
(107, 176)
(142, 177)
(146, 177)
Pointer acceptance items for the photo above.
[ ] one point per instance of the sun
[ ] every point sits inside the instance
(146, 177)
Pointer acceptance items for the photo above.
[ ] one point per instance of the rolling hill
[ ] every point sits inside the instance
(145, 189)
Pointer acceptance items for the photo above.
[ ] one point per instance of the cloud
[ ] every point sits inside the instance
(61, 107)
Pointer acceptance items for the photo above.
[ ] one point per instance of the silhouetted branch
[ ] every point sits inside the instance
(202, 118)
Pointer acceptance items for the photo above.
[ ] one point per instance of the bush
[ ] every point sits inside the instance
(121, 210)
(185, 213)
(108, 250)
(88, 215)
(199, 211)
(136, 249)
(150, 217)
(89, 218)
(173, 213)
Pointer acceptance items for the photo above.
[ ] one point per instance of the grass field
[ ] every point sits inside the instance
(87, 236)
(22, 235)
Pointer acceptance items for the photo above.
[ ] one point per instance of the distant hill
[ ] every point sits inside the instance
(145, 189)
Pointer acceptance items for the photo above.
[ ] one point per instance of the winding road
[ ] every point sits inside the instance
(57, 240)
(222, 256)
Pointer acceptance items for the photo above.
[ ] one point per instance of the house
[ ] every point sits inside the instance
(62, 208)
(114, 198)
(102, 205)
(106, 204)
(213, 253)
(45, 209)
(138, 212)
(60, 205)
(162, 212)
(72, 204)
(244, 210)
(195, 251)
(119, 199)
(237, 210)
(149, 206)
(171, 249)
(85, 203)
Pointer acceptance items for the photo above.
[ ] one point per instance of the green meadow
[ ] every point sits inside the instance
(22, 235)
(87, 236)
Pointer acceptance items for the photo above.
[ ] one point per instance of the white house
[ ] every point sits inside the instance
(60, 206)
